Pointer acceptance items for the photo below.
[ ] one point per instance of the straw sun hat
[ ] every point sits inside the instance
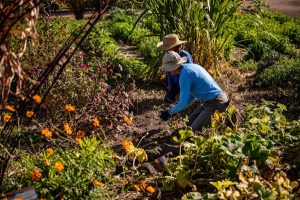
(172, 61)
(169, 42)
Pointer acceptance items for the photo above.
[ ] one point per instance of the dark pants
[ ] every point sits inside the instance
(201, 117)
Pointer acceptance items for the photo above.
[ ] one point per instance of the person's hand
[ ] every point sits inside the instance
(165, 115)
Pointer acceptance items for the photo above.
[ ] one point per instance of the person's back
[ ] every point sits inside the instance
(203, 86)
(195, 82)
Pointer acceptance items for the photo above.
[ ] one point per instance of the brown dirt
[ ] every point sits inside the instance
(288, 7)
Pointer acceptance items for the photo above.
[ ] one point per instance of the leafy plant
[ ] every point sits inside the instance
(70, 173)
(205, 24)
(243, 154)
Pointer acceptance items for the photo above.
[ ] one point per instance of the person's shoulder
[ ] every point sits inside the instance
(191, 65)
(184, 53)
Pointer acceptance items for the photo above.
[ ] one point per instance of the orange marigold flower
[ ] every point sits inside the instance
(7, 118)
(99, 183)
(78, 140)
(47, 133)
(80, 134)
(49, 151)
(59, 166)
(128, 120)
(143, 182)
(37, 99)
(137, 188)
(11, 108)
(127, 145)
(69, 108)
(36, 174)
(46, 162)
(18, 198)
(150, 189)
(68, 129)
(96, 122)
(29, 114)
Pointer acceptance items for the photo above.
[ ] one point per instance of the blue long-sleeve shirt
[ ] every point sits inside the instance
(173, 81)
(195, 83)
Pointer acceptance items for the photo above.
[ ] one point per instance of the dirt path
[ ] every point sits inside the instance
(288, 7)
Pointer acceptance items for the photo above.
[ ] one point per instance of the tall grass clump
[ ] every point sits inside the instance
(207, 25)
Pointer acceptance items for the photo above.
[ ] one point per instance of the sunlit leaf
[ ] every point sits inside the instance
(222, 184)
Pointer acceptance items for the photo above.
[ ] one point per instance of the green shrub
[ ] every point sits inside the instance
(284, 73)
(271, 32)
(222, 156)
(69, 173)
(247, 65)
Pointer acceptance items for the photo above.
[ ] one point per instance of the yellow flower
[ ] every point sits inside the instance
(36, 174)
(29, 114)
(69, 108)
(7, 118)
(49, 151)
(137, 188)
(128, 120)
(68, 129)
(150, 189)
(11, 108)
(37, 99)
(80, 134)
(96, 122)
(59, 166)
(127, 145)
(47, 133)
(99, 183)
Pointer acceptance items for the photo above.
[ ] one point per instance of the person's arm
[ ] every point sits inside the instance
(185, 83)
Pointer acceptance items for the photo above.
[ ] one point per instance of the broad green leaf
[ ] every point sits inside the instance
(222, 184)
(182, 180)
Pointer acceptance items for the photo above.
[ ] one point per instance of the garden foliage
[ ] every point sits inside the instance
(242, 161)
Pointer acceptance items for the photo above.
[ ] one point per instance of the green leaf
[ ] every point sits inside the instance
(182, 180)
(175, 139)
(185, 134)
(222, 184)
(281, 107)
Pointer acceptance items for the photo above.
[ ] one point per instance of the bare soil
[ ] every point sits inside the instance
(148, 100)
(288, 7)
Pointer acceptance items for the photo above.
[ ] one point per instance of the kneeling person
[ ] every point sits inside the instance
(195, 83)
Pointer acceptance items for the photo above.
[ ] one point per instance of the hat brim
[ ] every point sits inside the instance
(168, 67)
(161, 47)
